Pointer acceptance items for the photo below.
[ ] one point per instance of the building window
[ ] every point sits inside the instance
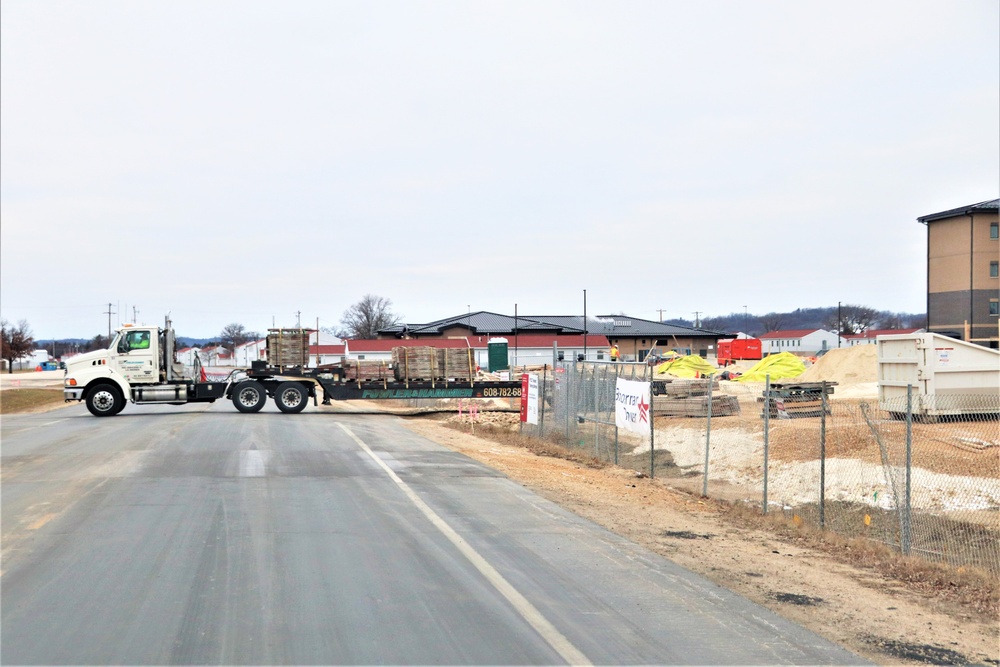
(994, 230)
(994, 307)
(994, 269)
(600, 355)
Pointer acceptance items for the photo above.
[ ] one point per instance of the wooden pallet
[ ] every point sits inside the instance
(429, 363)
(723, 405)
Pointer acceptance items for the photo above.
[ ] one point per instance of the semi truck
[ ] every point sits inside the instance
(140, 366)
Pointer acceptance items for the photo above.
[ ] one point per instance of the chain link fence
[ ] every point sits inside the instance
(922, 476)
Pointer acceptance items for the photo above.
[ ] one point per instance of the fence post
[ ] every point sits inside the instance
(904, 539)
(652, 434)
(767, 430)
(708, 438)
(541, 400)
(822, 458)
(597, 426)
(569, 369)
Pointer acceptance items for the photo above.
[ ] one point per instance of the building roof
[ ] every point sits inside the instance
(487, 323)
(386, 344)
(788, 333)
(327, 349)
(543, 341)
(981, 207)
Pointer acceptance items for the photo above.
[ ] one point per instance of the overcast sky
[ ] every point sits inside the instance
(249, 161)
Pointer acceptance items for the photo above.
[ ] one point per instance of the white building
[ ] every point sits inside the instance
(798, 341)
(247, 353)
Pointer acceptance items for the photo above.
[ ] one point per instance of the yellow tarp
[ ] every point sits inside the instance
(779, 366)
(687, 367)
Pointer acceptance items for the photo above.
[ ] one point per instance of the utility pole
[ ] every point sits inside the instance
(746, 330)
(109, 314)
(696, 321)
(584, 325)
(661, 311)
(298, 319)
(840, 324)
(135, 315)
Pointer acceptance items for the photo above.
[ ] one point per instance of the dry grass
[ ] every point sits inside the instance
(14, 401)
(965, 586)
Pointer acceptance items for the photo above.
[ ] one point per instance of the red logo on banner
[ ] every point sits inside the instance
(643, 411)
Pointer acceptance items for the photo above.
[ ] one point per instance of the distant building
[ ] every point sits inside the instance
(868, 337)
(635, 337)
(798, 341)
(963, 272)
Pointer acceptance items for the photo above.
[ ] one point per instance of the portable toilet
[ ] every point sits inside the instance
(497, 354)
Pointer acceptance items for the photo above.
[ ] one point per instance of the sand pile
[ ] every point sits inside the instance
(847, 365)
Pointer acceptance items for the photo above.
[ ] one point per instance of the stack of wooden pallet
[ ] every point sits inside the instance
(689, 398)
(796, 400)
(429, 363)
(367, 370)
(288, 347)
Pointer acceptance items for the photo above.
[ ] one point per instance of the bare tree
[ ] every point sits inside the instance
(853, 319)
(236, 334)
(367, 317)
(889, 320)
(771, 322)
(15, 342)
(98, 342)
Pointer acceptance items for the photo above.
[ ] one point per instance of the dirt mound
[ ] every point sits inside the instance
(847, 365)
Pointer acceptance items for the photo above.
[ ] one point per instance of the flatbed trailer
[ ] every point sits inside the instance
(331, 384)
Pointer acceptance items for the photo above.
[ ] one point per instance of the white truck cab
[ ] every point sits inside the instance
(139, 365)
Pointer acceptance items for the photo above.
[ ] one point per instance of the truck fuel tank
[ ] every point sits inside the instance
(174, 393)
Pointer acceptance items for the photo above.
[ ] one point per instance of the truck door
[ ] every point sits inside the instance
(136, 356)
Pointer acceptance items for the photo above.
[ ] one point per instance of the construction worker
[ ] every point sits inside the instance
(614, 353)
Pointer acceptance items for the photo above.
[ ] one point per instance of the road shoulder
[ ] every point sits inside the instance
(878, 618)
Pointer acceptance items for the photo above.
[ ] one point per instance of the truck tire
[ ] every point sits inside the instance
(105, 400)
(291, 397)
(249, 396)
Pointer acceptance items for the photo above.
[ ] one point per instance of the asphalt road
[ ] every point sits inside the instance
(199, 535)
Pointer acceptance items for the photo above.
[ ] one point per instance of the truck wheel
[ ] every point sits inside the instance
(291, 397)
(105, 400)
(249, 396)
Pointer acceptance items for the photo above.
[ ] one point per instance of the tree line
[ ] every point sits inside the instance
(844, 319)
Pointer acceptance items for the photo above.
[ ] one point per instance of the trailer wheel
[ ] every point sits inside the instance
(249, 396)
(291, 397)
(105, 400)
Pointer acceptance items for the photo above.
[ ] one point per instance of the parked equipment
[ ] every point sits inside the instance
(140, 366)
(948, 376)
(731, 350)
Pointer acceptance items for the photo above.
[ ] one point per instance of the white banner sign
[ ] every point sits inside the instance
(532, 398)
(632, 406)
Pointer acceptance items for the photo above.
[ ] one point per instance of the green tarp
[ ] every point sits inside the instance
(779, 366)
(687, 367)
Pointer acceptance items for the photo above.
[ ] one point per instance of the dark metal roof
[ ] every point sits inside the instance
(981, 207)
(619, 326)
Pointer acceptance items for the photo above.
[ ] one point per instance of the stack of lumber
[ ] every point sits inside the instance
(723, 405)
(796, 400)
(430, 363)
(288, 347)
(689, 398)
(367, 370)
